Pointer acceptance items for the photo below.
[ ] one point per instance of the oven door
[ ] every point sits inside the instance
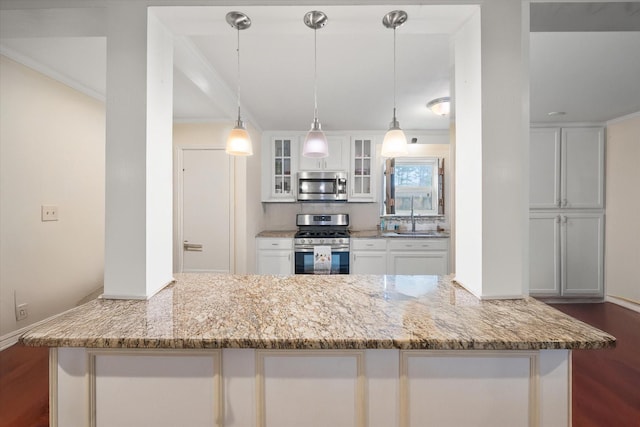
(304, 261)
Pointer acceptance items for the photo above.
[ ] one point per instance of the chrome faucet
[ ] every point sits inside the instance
(413, 218)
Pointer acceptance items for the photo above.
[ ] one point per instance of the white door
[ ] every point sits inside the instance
(206, 211)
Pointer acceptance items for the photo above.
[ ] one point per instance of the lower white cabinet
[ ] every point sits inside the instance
(368, 256)
(312, 388)
(418, 256)
(274, 255)
(400, 256)
(566, 254)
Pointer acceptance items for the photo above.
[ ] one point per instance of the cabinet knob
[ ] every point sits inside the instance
(564, 202)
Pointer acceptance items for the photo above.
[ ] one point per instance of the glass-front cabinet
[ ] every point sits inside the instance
(281, 170)
(363, 184)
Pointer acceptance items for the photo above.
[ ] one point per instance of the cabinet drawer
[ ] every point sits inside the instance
(368, 244)
(417, 244)
(270, 243)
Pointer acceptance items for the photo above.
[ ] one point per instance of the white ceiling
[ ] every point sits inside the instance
(592, 76)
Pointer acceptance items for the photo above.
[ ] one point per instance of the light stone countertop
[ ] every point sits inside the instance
(317, 312)
(285, 234)
(360, 234)
(377, 234)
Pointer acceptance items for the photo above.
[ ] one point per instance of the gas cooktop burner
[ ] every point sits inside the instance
(315, 233)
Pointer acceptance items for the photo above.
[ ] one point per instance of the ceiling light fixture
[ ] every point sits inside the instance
(315, 144)
(440, 106)
(395, 141)
(239, 141)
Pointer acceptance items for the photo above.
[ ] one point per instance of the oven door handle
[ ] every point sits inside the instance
(309, 249)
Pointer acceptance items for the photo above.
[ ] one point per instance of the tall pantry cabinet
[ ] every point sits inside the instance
(566, 222)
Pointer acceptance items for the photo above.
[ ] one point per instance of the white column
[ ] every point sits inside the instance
(492, 145)
(138, 235)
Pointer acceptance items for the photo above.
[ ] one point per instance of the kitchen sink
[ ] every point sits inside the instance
(411, 233)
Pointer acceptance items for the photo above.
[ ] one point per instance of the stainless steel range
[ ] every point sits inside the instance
(317, 232)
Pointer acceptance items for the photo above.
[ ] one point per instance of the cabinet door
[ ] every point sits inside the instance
(418, 263)
(275, 262)
(336, 161)
(274, 255)
(363, 185)
(582, 168)
(544, 168)
(544, 254)
(278, 169)
(583, 260)
(369, 262)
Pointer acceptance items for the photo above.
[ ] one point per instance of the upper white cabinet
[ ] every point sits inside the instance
(544, 168)
(338, 159)
(362, 170)
(278, 168)
(582, 163)
(566, 168)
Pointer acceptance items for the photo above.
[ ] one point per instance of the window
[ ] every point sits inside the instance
(413, 182)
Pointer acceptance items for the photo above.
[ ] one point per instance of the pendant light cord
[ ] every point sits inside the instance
(394, 73)
(238, 51)
(315, 74)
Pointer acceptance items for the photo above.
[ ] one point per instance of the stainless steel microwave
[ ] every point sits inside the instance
(322, 186)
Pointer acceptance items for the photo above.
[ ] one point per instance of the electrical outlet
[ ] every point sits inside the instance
(49, 213)
(22, 311)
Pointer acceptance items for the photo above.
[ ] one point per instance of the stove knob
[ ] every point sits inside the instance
(321, 241)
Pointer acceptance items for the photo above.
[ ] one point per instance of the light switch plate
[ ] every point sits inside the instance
(49, 213)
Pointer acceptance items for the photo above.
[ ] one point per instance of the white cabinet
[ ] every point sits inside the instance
(274, 255)
(418, 256)
(279, 168)
(566, 168)
(582, 164)
(399, 256)
(368, 256)
(338, 159)
(363, 170)
(566, 252)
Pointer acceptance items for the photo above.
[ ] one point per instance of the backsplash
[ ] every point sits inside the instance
(439, 223)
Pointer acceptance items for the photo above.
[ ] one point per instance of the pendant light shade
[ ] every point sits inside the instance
(395, 141)
(239, 141)
(315, 144)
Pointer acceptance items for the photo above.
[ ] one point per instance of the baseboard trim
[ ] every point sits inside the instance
(12, 338)
(623, 302)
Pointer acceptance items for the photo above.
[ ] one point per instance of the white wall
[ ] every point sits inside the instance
(622, 241)
(52, 144)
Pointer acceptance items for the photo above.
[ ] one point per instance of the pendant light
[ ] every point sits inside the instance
(395, 141)
(315, 144)
(239, 141)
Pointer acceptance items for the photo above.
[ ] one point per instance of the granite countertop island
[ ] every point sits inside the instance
(317, 312)
(315, 351)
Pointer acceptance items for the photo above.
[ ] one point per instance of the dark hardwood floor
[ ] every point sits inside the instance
(24, 387)
(606, 383)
